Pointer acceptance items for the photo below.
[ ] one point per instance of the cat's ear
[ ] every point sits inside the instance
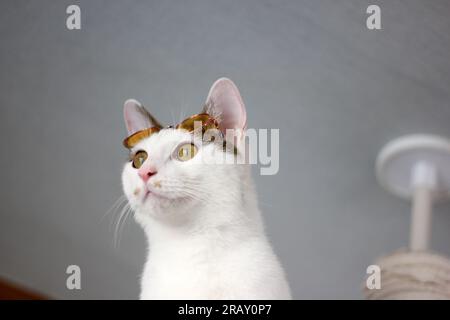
(137, 117)
(225, 104)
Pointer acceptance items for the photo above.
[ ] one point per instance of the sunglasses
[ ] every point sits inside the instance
(207, 123)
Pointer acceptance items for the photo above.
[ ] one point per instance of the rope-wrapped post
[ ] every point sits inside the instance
(416, 168)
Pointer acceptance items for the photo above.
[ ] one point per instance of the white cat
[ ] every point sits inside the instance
(205, 231)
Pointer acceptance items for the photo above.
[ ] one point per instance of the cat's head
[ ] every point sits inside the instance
(173, 172)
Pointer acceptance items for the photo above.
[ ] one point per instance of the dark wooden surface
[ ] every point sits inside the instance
(12, 291)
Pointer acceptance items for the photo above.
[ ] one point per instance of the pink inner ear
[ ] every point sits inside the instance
(227, 105)
(135, 116)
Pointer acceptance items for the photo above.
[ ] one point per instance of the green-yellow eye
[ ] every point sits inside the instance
(139, 159)
(186, 151)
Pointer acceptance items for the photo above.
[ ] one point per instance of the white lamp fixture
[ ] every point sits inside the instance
(417, 168)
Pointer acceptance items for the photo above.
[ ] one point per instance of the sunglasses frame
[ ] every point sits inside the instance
(187, 124)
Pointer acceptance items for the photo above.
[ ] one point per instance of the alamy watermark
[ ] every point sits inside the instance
(373, 281)
(73, 281)
(250, 146)
(73, 21)
(373, 21)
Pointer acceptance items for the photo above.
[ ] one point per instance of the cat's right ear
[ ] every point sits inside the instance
(137, 117)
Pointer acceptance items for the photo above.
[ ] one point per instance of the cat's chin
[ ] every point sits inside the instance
(150, 196)
(154, 204)
(173, 211)
(155, 201)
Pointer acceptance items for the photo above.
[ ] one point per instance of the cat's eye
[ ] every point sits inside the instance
(186, 152)
(139, 158)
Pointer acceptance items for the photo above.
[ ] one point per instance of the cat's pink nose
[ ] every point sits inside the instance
(146, 172)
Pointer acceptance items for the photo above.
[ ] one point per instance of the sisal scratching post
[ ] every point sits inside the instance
(416, 168)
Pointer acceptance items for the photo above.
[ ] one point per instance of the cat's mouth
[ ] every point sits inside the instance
(150, 194)
(146, 195)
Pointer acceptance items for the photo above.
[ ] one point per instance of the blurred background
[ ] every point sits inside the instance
(337, 91)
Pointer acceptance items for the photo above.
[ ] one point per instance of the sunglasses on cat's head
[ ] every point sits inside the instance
(207, 123)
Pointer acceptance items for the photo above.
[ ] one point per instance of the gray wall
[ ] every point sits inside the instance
(337, 91)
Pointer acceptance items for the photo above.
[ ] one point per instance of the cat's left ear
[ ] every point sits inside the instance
(225, 104)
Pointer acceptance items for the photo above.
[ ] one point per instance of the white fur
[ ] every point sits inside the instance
(206, 237)
(205, 232)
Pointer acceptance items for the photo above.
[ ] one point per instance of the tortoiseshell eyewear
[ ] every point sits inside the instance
(188, 124)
